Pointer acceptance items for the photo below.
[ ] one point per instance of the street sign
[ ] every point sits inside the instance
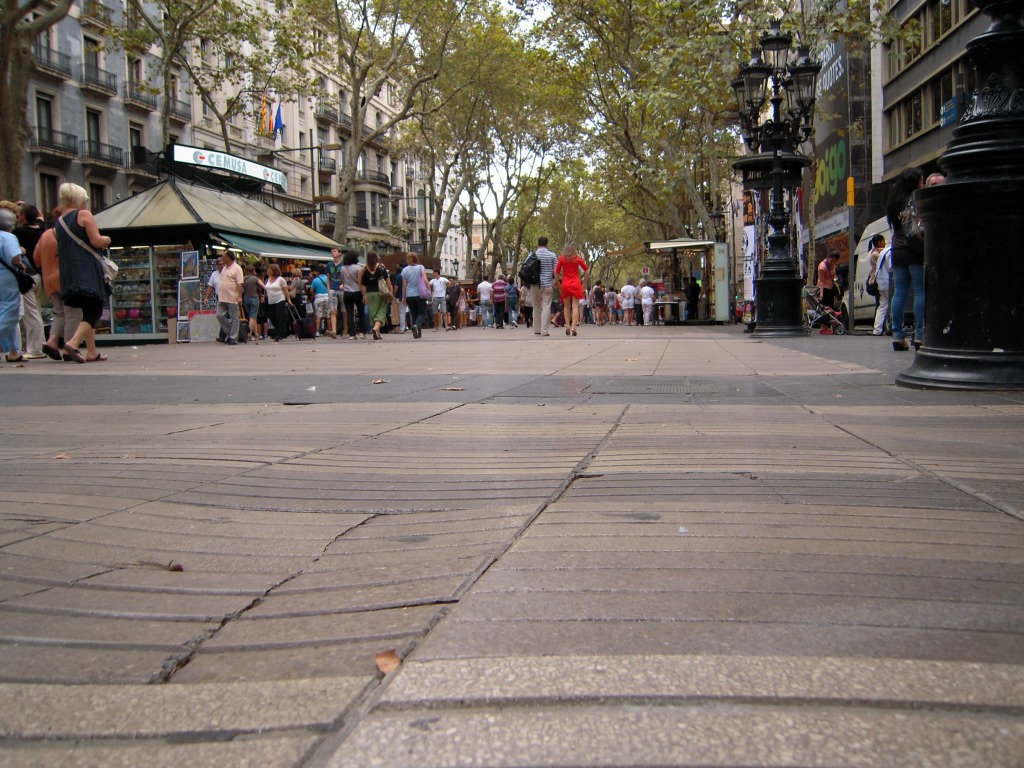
(645, 271)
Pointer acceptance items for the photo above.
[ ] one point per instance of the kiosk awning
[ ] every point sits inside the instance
(270, 249)
(682, 244)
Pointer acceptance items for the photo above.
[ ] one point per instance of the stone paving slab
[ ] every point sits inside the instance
(59, 712)
(47, 628)
(784, 608)
(496, 639)
(277, 750)
(568, 563)
(544, 680)
(652, 582)
(362, 598)
(114, 556)
(323, 628)
(129, 604)
(781, 515)
(80, 665)
(348, 659)
(738, 545)
(630, 735)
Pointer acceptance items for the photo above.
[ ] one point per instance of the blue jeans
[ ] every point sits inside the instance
(488, 309)
(905, 279)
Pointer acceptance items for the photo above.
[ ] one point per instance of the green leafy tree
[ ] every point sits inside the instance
(21, 24)
(384, 47)
(231, 52)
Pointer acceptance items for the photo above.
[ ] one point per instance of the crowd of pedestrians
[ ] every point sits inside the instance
(63, 261)
(348, 299)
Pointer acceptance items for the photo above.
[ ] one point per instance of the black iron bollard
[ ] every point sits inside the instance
(974, 262)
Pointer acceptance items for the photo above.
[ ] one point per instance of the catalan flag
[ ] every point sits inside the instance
(268, 124)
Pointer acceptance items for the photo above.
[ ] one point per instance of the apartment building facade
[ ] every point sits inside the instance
(93, 111)
(922, 84)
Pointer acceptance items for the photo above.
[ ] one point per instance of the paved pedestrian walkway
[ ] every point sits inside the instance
(640, 546)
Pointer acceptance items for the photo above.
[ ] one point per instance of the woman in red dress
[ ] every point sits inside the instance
(569, 265)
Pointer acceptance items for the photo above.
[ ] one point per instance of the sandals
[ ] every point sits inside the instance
(51, 353)
(100, 358)
(73, 354)
(19, 359)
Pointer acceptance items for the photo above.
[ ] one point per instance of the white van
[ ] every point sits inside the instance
(863, 302)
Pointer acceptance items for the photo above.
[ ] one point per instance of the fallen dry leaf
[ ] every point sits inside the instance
(61, 456)
(632, 359)
(382, 381)
(387, 661)
(451, 389)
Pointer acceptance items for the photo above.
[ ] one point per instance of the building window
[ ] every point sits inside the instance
(135, 135)
(135, 72)
(97, 197)
(44, 115)
(942, 91)
(47, 193)
(91, 51)
(941, 13)
(92, 129)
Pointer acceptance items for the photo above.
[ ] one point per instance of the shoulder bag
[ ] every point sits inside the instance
(871, 284)
(25, 281)
(425, 291)
(110, 269)
(384, 285)
(911, 223)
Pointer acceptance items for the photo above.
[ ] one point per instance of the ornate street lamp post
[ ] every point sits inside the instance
(792, 86)
(974, 315)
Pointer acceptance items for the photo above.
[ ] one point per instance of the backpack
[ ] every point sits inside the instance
(529, 273)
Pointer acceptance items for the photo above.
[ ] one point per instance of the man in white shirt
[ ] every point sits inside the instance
(542, 293)
(439, 300)
(486, 303)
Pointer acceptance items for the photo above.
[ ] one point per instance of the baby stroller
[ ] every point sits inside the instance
(829, 320)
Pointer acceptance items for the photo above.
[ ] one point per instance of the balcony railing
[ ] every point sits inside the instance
(361, 222)
(410, 212)
(345, 120)
(47, 139)
(97, 151)
(136, 96)
(375, 176)
(327, 164)
(52, 62)
(96, 12)
(96, 79)
(326, 110)
(180, 110)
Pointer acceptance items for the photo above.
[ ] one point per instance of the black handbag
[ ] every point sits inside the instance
(871, 286)
(25, 281)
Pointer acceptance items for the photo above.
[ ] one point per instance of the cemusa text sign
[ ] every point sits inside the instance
(209, 158)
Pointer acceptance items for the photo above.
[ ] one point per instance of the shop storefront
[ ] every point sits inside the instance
(166, 240)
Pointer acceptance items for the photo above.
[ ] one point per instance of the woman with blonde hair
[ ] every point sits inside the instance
(82, 284)
(276, 288)
(571, 267)
(65, 319)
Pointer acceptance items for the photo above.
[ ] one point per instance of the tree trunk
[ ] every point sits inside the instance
(16, 68)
